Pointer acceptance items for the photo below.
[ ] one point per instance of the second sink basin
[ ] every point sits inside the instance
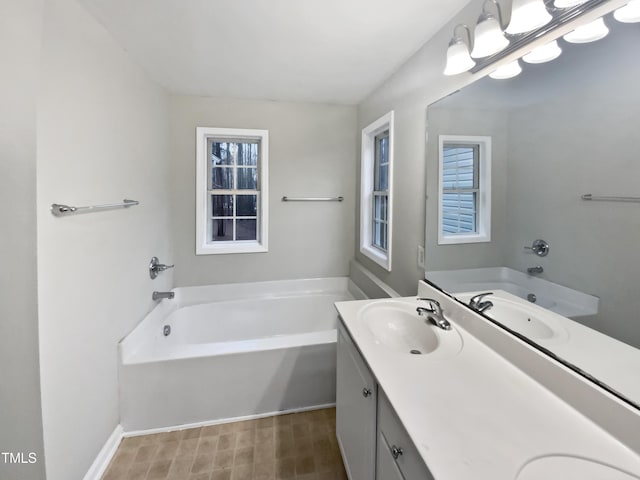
(565, 466)
(523, 317)
(398, 327)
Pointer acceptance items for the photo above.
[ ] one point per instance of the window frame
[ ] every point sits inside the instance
(204, 245)
(368, 165)
(483, 207)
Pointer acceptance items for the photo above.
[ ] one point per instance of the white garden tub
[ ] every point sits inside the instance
(234, 351)
(552, 296)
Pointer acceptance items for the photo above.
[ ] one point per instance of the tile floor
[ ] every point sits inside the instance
(299, 446)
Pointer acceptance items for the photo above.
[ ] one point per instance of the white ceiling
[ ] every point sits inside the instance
(331, 51)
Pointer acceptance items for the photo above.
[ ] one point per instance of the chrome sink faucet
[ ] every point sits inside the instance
(480, 305)
(434, 313)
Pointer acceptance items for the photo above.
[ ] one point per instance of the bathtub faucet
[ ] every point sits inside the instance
(534, 270)
(160, 295)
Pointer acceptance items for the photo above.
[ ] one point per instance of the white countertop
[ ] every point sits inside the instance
(475, 416)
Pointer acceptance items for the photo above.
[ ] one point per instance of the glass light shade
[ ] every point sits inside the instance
(544, 53)
(488, 37)
(567, 3)
(630, 13)
(527, 15)
(458, 59)
(507, 71)
(590, 32)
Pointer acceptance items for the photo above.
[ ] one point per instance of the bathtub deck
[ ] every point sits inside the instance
(293, 446)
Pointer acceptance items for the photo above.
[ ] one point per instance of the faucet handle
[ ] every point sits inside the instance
(155, 267)
(539, 247)
(434, 305)
(480, 296)
(478, 304)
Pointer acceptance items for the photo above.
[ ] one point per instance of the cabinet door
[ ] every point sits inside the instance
(397, 457)
(355, 410)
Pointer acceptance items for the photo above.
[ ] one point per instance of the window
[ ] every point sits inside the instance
(375, 191)
(464, 189)
(232, 190)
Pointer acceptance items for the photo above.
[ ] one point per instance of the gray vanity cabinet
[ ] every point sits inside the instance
(355, 410)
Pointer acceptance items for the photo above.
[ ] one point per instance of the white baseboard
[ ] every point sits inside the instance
(100, 464)
(150, 431)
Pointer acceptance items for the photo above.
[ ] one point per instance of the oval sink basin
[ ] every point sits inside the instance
(523, 317)
(556, 467)
(398, 327)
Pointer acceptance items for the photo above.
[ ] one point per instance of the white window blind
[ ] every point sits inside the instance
(460, 188)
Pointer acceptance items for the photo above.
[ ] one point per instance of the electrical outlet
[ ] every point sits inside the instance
(421, 256)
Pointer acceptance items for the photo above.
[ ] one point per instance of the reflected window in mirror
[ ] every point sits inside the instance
(376, 195)
(464, 197)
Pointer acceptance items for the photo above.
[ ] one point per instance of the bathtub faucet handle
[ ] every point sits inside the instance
(155, 267)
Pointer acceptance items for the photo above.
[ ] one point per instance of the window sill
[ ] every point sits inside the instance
(227, 248)
(461, 239)
(377, 256)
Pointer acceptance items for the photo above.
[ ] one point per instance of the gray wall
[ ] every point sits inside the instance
(312, 153)
(408, 92)
(102, 137)
(445, 121)
(20, 416)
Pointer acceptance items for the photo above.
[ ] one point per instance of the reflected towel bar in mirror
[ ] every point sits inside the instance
(605, 198)
(312, 199)
(63, 210)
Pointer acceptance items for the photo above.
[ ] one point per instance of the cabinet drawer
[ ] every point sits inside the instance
(394, 445)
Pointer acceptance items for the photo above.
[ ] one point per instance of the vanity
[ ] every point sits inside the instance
(416, 401)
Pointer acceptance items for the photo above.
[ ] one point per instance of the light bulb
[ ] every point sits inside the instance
(527, 15)
(488, 37)
(458, 59)
(630, 13)
(507, 71)
(544, 53)
(588, 33)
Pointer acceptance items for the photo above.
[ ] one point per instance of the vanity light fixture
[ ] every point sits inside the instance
(544, 53)
(488, 36)
(567, 3)
(509, 70)
(527, 15)
(530, 20)
(458, 57)
(630, 13)
(590, 32)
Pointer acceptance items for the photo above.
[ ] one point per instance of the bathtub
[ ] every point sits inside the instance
(234, 351)
(552, 296)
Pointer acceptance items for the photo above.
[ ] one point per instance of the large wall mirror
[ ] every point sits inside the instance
(558, 132)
